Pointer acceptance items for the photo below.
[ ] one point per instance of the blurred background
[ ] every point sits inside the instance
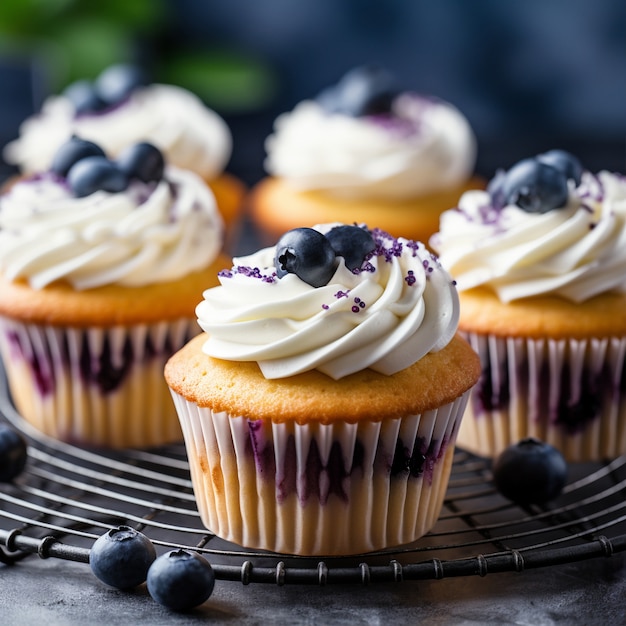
(529, 75)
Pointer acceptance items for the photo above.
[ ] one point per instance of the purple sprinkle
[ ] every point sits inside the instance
(410, 278)
(325, 307)
(341, 294)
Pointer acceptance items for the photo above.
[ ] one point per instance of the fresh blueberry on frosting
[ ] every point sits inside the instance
(96, 173)
(530, 472)
(535, 186)
(111, 87)
(306, 253)
(71, 152)
(117, 82)
(83, 97)
(564, 162)
(365, 90)
(142, 161)
(87, 168)
(538, 184)
(353, 243)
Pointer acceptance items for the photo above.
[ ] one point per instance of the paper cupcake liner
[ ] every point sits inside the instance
(570, 393)
(99, 387)
(319, 489)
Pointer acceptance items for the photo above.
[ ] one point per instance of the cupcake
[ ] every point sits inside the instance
(540, 264)
(320, 407)
(101, 266)
(365, 151)
(120, 109)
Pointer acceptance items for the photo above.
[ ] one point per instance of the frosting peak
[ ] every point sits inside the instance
(398, 307)
(422, 146)
(151, 232)
(576, 251)
(190, 135)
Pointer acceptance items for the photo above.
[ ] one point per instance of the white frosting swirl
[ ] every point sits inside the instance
(577, 251)
(425, 146)
(397, 308)
(147, 234)
(190, 135)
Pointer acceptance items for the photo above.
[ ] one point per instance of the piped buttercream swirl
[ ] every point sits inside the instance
(398, 307)
(576, 251)
(189, 134)
(423, 146)
(149, 233)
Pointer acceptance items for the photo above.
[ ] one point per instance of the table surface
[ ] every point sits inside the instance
(61, 593)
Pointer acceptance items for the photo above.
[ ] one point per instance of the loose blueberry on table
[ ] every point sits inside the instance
(530, 472)
(13, 453)
(181, 580)
(121, 557)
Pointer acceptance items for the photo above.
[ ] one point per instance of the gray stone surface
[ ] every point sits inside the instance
(53, 592)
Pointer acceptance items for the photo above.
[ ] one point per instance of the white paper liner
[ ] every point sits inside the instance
(544, 380)
(270, 505)
(55, 396)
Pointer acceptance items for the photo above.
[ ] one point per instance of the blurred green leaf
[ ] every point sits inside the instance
(226, 82)
(88, 45)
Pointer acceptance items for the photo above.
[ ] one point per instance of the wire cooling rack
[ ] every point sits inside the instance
(68, 496)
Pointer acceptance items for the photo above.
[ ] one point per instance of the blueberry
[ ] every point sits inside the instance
(121, 557)
(530, 472)
(117, 82)
(353, 243)
(181, 580)
(306, 253)
(143, 161)
(564, 162)
(365, 90)
(96, 173)
(496, 191)
(13, 453)
(84, 97)
(535, 187)
(71, 152)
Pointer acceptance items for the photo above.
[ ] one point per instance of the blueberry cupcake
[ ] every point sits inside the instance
(540, 264)
(101, 266)
(366, 151)
(121, 108)
(321, 406)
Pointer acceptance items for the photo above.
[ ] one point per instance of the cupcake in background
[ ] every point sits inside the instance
(540, 264)
(101, 266)
(365, 151)
(321, 407)
(120, 108)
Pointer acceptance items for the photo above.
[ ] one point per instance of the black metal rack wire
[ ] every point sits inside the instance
(68, 496)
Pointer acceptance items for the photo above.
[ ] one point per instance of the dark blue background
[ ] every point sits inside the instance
(530, 75)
